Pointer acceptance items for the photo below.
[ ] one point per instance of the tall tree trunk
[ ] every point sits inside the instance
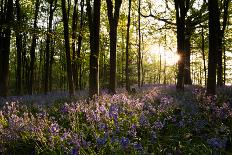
(224, 57)
(19, 50)
(33, 46)
(187, 73)
(94, 27)
(127, 48)
(139, 49)
(5, 37)
(181, 7)
(74, 37)
(113, 22)
(48, 56)
(203, 54)
(220, 43)
(79, 44)
(214, 26)
(67, 49)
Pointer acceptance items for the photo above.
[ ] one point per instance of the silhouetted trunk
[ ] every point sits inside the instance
(51, 64)
(187, 73)
(220, 43)
(224, 57)
(181, 7)
(67, 49)
(214, 26)
(33, 46)
(74, 38)
(79, 44)
(94, 27)
(203, 53)
(19, 38)
(113, 22)
(139, 49)
(5, 36)
(48, 55)
(127, 48)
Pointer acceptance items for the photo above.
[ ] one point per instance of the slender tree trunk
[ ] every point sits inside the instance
(127, 48)
(214, 26)
(74, 38)
(67, 49)
(19, 50)
(80, 38)
(220, 43)
(33, 46)
(113, 21)
(5, 37)
(224, 57)
(94, 27)
(47, 52)
(187, 73)
(139, 49)
(203, 54)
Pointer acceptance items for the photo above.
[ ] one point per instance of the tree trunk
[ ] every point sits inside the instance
(19, 50)
(74, 37)
(33, 46)
(220, 43)
(5, 37)
(214, 26)
(139, 49)
(181, 7)
(203, 54)
(187, 73)
(113, 22)
(94, 27)
(79, 44)
(67, 49)
(48, 48)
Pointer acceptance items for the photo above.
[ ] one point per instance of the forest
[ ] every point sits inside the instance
(115, 76)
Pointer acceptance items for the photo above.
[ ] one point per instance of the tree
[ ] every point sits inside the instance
(220, 42)
(48, 67)
(19, 38)
(67, 49)
(33, 46)
(139, 45)
(181, 7)
(113, 22)
(94, 28)
(127, 47)
(6, 17)
(214, 26)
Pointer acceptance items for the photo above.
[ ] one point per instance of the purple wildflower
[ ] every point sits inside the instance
(125, 142)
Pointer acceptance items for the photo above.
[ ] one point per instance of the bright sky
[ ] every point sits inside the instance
(171, 57)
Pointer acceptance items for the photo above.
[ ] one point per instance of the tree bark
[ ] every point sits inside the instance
(67, 49)
(5, 37)
(48, 48)
(187, 73)
(139, 45)
(203, 54)
(19, 38)
(220, 43)
(127, 48)
(80, 38)
(113, 22)
(94, 27)
(181, 7)
(214, 26)
(74, 38)
(33, 46)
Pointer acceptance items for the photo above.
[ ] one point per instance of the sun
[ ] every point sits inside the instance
(168, 56)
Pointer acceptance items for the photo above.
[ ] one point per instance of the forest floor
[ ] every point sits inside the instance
(155, 119)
